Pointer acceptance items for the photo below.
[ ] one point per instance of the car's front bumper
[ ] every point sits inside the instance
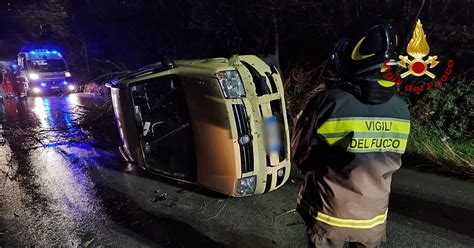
(52, 85)
(255, 158)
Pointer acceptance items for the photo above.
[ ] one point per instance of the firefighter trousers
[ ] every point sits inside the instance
(316, 241)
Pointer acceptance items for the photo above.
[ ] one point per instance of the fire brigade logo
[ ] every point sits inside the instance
(418, 48)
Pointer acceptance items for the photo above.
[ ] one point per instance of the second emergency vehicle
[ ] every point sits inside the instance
(45, 71)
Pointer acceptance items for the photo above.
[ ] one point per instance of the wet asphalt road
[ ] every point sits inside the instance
(63, 182)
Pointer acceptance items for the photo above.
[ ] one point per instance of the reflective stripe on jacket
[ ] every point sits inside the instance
(348, 151)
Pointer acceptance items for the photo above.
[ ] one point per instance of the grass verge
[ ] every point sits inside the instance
(429, 149)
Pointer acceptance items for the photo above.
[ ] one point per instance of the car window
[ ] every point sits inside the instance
(164, 125)
(46, 65)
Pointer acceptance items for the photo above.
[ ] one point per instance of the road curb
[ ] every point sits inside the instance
(434, 188)
(439, 201)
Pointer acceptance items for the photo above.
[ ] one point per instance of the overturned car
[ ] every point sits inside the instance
(219, 123)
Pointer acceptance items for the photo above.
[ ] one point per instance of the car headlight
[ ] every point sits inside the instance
(246, 186)
(33, 76)
(67, 74)
(36, 90)
(231, 84)
(71, 87)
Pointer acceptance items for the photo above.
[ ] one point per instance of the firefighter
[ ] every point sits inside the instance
(17, 85)
(7, 85)
(348, 142)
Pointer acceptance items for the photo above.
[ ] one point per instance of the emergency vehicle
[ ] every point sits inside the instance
(45, 71)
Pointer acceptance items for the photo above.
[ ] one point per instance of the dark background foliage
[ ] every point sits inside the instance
(112, 35)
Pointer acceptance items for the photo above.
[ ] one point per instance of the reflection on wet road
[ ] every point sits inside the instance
(48, 196)
(51, 188)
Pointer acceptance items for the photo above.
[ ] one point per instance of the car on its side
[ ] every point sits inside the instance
(219, 123)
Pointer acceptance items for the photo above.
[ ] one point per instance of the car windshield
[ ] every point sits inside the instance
(47, 65)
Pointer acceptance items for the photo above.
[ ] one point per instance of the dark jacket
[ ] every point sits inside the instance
(349, 146)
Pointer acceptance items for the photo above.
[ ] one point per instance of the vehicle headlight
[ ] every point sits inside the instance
(71, 87)
(231, 84)
(246, 186)
(33, 76)
(67, 74)
(36, 90)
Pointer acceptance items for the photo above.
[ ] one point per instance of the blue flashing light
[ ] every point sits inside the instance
(40, 52)
(65, 82)
(43, 84)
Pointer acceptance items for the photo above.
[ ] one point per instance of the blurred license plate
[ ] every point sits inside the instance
(272, 134)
